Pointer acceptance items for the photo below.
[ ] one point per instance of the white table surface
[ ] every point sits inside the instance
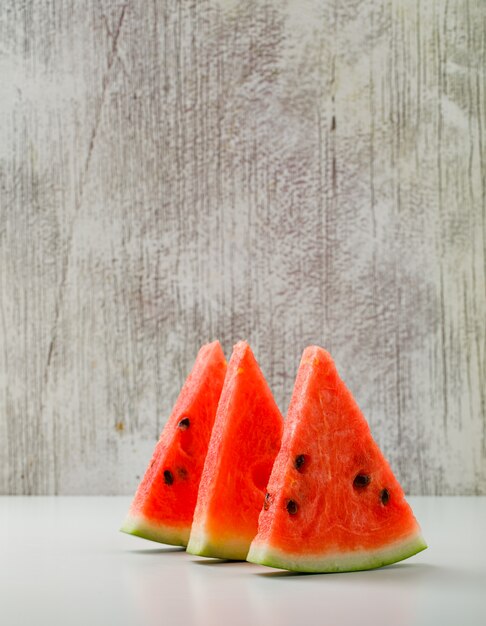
(63, 561)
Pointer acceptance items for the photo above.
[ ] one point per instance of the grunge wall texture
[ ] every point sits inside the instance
(286, 172)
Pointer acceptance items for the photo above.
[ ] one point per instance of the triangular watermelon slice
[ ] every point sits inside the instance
(244, 442)
(332, 502)
(164, 502)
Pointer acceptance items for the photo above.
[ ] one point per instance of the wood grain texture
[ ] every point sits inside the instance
(287, 172)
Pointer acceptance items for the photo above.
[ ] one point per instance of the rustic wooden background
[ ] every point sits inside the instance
(291, 172)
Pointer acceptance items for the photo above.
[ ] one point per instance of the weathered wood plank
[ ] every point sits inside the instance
(284, 172)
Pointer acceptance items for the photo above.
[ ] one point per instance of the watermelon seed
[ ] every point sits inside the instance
(168, 477)
(182, 473)
(266, 502)
(361, 480)
(292, 507)
(300, 462)
(184, 423)
(385, 496)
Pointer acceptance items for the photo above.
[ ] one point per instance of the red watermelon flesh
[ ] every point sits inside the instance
(244, 442)
(163, 506)
(332, 502)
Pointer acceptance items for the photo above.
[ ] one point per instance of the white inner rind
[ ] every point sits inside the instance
(264, 554)
(201, 544)
(149, 529)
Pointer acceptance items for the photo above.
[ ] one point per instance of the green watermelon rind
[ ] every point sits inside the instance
(262, 554)
(154, 531)
(234, 548)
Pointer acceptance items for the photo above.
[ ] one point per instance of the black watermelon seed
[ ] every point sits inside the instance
(299, 462)
(385, 496)
(184, 423)
(361, 480)
(292, 507)
(168, 477)
(266, 502)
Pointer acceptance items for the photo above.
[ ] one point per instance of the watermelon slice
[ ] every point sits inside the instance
(164, 502)
(332, 502)
(244, 442)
